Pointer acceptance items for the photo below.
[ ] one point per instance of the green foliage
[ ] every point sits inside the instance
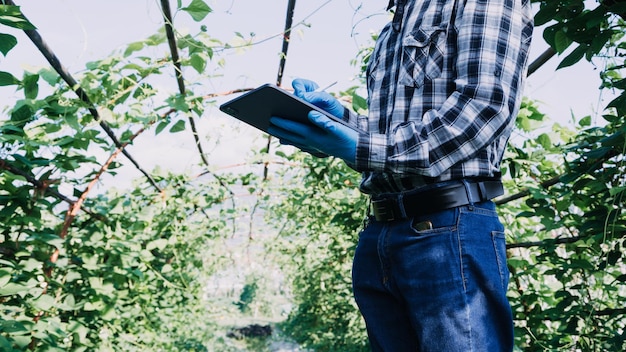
(566, 237)
(198, 10)
(567, 230)
(127, 282)
(126, 270)
(11, 16)
(7, 79)
(320, 220)
(247, 297)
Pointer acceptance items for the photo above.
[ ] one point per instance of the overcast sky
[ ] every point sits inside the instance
(321, 48)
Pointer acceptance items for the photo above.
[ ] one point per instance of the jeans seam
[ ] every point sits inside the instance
(382, 254)
(468, 313)
(460, 248)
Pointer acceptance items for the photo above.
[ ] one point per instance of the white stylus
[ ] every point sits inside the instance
(328, 86)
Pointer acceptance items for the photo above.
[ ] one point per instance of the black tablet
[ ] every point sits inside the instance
(257, 106)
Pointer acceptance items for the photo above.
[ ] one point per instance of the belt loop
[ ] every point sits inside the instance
(401, 206)
(482, 191)
(468, 192)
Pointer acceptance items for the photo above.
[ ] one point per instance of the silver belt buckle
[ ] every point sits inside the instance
(382, 211)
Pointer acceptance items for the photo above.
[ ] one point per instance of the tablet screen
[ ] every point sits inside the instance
(257, 106)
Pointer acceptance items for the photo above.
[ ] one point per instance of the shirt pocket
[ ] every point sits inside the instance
(423, 53)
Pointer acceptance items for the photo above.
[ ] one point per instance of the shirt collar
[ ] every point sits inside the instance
(396, 3)
(398, 14)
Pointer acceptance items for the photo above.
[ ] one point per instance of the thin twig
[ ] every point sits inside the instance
(234, 91)
(73, 210)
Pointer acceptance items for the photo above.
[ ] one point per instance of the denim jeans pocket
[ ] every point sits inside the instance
(433, 224)
(499, 245)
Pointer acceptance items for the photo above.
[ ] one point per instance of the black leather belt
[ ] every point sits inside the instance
(433, 200)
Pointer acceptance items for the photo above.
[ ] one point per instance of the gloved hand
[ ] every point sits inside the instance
(305, 89)
(325, 136)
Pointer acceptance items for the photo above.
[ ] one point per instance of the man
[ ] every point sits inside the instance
(444, 86)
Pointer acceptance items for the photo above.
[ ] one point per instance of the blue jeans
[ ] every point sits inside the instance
(439, 288)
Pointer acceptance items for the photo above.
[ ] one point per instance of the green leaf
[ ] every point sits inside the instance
(13, 327)
(72, 121)
(4, 280)
(561, 41)
(132, 47)
(549, 35)
(585, 121)
(49, 75)
(31, 88)
(573, 57)
(22, 115)
(69, 303)
(198, 63)
(544, 141)
(22, 341)
(94, 306)
(5, 344)
(616, 190)
(159, 244)
(178, 102)
(358, 103)
(198, 10)
(7, 79)
(524, 123)
(13, 288)
(7, 42)
(546, 12)
(12, 16)
(581, 264)
(161, 126)
(619, 103)
(179, 126)
(47, 238)
(44, 302)
(620, 84)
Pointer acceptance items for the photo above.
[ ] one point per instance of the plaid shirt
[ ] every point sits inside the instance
(444, 86)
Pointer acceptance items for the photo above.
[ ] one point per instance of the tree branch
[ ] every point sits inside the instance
(526, 191)
(281, 66)
(171, 39)
(541, 60)
(544, 243)
(43, 186)
(82, 95)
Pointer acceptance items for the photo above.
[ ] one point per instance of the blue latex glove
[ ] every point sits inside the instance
(326, 136)
(305, 89)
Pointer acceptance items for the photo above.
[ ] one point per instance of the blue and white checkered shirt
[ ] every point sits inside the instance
(444, 86)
